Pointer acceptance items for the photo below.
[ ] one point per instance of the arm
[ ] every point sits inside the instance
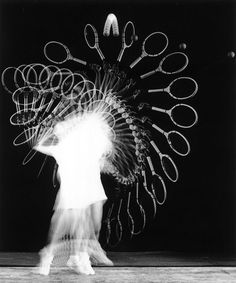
(47, 144)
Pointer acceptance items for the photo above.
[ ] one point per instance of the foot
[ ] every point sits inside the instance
(46, 259)
(81, 264)
(101, 258)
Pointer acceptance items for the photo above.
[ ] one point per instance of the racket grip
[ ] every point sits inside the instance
(156, 90)
(158, 128)
(150, 163)
(121, 54)
(144, 76)
(100, 53)
(155, 147)
(79, 61)
(159, 109)
(135, 62)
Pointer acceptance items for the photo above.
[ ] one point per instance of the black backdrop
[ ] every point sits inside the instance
(199, 214)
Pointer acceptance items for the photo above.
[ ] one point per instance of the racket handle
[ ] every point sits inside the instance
(155, 147)
(79, 61)
(158, 128)
(144, 76)
(135, 62)
(150, 164)
(100, 53)
(121, 54)
(156, 90)
(158, 109)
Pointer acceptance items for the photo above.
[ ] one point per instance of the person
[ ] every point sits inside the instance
(78, 145)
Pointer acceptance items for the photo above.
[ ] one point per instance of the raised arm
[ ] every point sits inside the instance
(47, 144)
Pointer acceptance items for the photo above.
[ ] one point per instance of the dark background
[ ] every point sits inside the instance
(199, 214)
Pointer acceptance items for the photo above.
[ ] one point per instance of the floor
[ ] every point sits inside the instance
(129, 267)
(123, 275)
(134, 259)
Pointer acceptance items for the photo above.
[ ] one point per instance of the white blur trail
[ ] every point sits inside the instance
(79, 145)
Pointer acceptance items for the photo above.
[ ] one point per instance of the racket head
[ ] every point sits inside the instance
(41, 73)
(12, 78)
(58, 80)
(25, 136)
(157, 183)
(29, 156)
(178, 86)
(27, 93)
(59, 57)
(169, 168)
(34, 73)
(173, 63)
(137, 220)
(91, 36)
(151, 41)
(23, 117)
(75, 86)
(128, 34)
(177, 111)
(67, 85)
(178, 143)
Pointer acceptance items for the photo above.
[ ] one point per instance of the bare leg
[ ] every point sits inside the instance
(57, 231)
(86, 240)
(79, 259)
(96, 215)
